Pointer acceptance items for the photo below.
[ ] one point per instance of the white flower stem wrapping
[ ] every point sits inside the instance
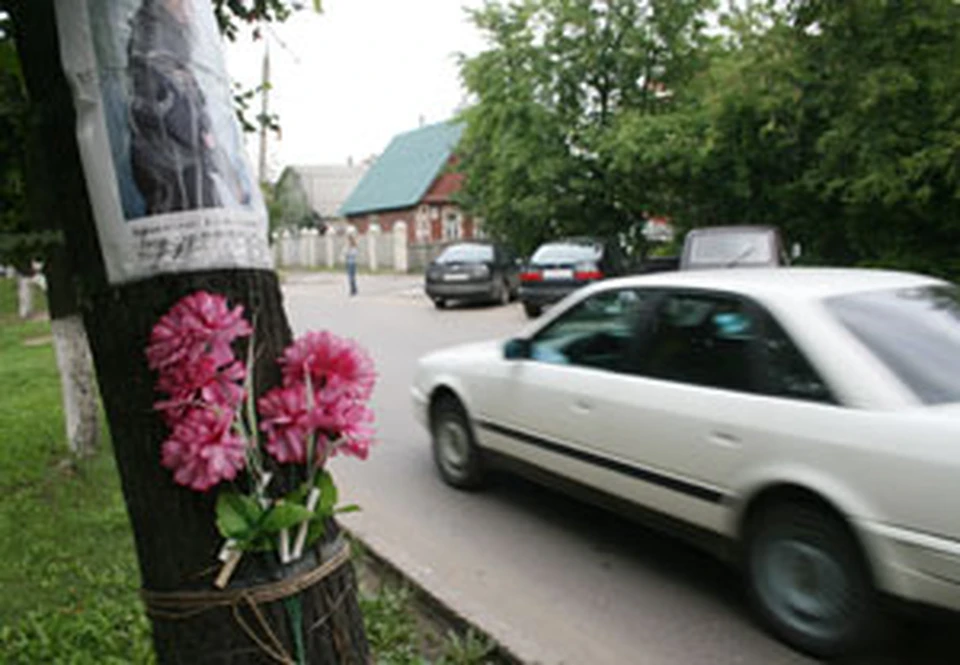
(226, 571)
(285, 546)
(312, 499)
(228, 547)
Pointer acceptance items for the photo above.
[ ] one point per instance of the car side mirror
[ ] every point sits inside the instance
(517, 349)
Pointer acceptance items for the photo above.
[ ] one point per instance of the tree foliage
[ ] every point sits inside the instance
(15, 247)
(838, 121)
(550, 91)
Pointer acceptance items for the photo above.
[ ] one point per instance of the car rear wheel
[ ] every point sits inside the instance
(454, 450)
(532, 311)
(503, 293)
(808, 579)
(439, 303)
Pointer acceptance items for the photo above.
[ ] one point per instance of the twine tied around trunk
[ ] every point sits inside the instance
(183, 605)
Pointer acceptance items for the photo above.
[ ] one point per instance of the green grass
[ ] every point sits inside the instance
(399, 635)
(69, 574)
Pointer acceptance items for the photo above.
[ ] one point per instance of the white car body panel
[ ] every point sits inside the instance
(699, 454)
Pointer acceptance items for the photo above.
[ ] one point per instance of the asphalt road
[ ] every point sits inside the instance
(553, 580)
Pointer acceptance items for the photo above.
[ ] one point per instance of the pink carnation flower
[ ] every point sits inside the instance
(200, 381)
(355, 425)
(288, 423)
(334, 365)
(203, 449)
(199, 324)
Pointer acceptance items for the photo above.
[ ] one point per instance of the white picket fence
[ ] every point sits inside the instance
(307, 248)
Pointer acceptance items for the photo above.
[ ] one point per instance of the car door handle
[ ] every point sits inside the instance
(582, 406)
(724, 439)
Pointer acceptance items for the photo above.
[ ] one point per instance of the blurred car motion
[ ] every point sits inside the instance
(809, 418)
(473, 271)
(560, 267)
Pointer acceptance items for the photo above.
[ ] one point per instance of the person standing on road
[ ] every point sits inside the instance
(350, 257)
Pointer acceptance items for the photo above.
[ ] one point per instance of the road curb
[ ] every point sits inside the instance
(433, 607)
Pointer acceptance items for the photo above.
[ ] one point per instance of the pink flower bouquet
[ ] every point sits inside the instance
(320, 410)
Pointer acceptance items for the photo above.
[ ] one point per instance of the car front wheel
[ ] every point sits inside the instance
(533, 311)
(808, 579)
(454, 450)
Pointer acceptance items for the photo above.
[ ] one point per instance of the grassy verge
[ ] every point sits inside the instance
(69, 575)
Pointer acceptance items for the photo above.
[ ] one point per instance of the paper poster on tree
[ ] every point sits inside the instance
(169, 181)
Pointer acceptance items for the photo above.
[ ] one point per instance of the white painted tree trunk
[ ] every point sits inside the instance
(77, 383)
(24, 296)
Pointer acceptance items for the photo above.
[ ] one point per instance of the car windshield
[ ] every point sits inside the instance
(731, 249)
(466, 254)
(915, 332)
(566, 253)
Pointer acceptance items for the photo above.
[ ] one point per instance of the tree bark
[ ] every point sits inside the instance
(175, 535)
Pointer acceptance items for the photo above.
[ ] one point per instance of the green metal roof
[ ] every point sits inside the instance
(405, 170)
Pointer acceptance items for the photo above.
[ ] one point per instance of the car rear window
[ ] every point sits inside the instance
(466, 254)
(915, 332)
(731, 249)
(566, 253)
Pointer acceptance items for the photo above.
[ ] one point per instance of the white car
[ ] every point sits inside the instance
(810, 417)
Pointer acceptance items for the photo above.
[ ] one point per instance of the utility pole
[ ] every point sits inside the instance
(264, 112)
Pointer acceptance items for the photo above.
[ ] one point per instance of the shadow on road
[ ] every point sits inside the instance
(930, 640)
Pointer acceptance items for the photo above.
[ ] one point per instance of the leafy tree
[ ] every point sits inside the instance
(290, 207)
(550, 92)
(837, 121)
(176, 545)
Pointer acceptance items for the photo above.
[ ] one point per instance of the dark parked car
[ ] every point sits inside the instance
(560, 267)
(473, 271)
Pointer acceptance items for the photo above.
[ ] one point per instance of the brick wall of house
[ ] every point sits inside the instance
(435, 215)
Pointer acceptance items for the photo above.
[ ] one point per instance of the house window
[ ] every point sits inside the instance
(452, 226)
(434, 212)
(478, 232)
(423, 229)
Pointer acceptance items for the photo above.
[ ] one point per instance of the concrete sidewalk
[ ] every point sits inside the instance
(368, 284)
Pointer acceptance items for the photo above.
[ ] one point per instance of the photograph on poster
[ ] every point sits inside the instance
(167, 103)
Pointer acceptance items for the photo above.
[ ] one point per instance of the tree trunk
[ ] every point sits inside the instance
(174, 530)
(77, 384)
(24, 295)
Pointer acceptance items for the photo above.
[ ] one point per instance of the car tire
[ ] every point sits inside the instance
(808, 579)
(455, 451)
(503, 293)
(532, 311)
(439, 303)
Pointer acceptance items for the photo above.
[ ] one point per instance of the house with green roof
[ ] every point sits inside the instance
(414, 181)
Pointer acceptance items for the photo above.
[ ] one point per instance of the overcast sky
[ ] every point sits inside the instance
(348, 80)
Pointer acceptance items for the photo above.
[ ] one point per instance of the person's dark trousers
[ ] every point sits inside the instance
(352, 276)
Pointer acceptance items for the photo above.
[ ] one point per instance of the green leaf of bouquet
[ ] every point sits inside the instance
(315, 531)
(285, 515)
(349, 508)
(328, 495)
(299, 495)
(237, 515)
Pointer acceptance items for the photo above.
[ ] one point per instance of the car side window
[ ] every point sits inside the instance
(597, 332)
(785, 371)
(704, 340)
